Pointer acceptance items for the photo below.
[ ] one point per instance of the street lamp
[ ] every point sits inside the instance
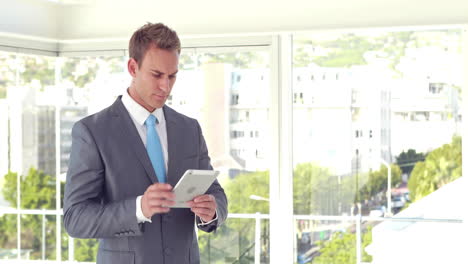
(389, 186)
(258, 233)
(258, 198)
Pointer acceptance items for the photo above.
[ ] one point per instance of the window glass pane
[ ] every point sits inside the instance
(234, 243)
(326, 242)
(93, 82)
(377, 114)
(85, 250)
(8, 193)
(8, 236)
(7, 83)
(30, 134)
(38, 236)
(89, 84)
(228, 92)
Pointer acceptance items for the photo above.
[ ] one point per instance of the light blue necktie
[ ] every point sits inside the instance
(153, 146)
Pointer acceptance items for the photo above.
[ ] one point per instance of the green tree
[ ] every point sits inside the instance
(37, 192)
(239, 60)
(234, 242)
(377, 182)
(407, 160)
(37, 68)
(341, 248)
(442, 165)
(317, 191)
(239, 189)
(86, 250)
(7, 72)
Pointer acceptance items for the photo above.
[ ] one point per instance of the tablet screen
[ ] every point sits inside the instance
(192, 184)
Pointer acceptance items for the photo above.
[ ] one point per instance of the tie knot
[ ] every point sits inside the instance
(151, 120)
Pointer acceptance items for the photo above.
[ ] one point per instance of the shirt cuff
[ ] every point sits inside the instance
(139, 213)
(203, 223)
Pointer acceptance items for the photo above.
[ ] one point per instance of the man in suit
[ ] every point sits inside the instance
(117, 189)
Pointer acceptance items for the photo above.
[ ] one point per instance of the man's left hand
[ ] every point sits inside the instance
(204, 206)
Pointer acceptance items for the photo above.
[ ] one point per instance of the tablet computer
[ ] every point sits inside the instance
(192, 184)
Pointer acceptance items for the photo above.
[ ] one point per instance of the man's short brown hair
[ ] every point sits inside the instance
(152, 34)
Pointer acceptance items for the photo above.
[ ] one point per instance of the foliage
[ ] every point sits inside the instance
(239, 60)
(378, 182)
(442, 165)
(7, 72)
(239, 189)
(83, 70)
(234, 242)
(37, 68)
(341, 248)
(3, 92)
(317, 191)
(407, 160)
(37, 192)
(345, 52)
(86, 250)
(348, 50)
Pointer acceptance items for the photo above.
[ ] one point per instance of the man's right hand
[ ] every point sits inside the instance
(157, 199)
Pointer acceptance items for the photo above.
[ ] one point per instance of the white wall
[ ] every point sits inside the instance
(36, 18)
(118, 18)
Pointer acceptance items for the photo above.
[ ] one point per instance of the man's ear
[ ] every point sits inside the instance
(132, 67)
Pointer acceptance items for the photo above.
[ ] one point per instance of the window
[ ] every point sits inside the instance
(245, 81)
(388, 76)
(377, 82)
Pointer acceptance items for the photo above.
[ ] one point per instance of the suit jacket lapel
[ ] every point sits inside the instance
(172, 144)
(131, 138)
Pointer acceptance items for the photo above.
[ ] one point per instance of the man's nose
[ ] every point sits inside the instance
(164, 84)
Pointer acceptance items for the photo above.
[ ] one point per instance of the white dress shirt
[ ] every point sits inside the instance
(139, 115)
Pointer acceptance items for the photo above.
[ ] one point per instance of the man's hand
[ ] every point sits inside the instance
(204, 206)
(156, 199)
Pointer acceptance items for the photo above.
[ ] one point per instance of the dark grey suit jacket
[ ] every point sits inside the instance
(109, 167)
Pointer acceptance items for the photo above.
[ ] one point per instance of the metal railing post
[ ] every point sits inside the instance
(358, 238)
(258, 235)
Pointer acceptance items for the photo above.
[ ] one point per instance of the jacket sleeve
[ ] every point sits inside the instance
(215, 189)
(86, 213)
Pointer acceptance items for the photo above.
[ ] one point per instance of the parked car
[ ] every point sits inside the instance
(398, 201)
(377, 211)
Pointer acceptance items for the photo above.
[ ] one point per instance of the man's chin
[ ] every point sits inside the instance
(157, 105)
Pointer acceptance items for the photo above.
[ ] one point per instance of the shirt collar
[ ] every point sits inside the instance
(138, 112)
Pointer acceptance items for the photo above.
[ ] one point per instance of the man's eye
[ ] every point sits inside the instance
(157, 76)
(172, 76)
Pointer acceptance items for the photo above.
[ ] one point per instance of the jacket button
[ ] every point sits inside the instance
(168, 251)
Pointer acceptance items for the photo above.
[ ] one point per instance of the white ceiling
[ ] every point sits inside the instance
(119, 18)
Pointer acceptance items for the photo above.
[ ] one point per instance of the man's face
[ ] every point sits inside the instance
(153, 80)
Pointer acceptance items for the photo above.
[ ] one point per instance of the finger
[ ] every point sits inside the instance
(204, 198)
(205, 217)
(160, 203)
(208, 205)
(161, 195)
(203, 212)
(160, 187)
